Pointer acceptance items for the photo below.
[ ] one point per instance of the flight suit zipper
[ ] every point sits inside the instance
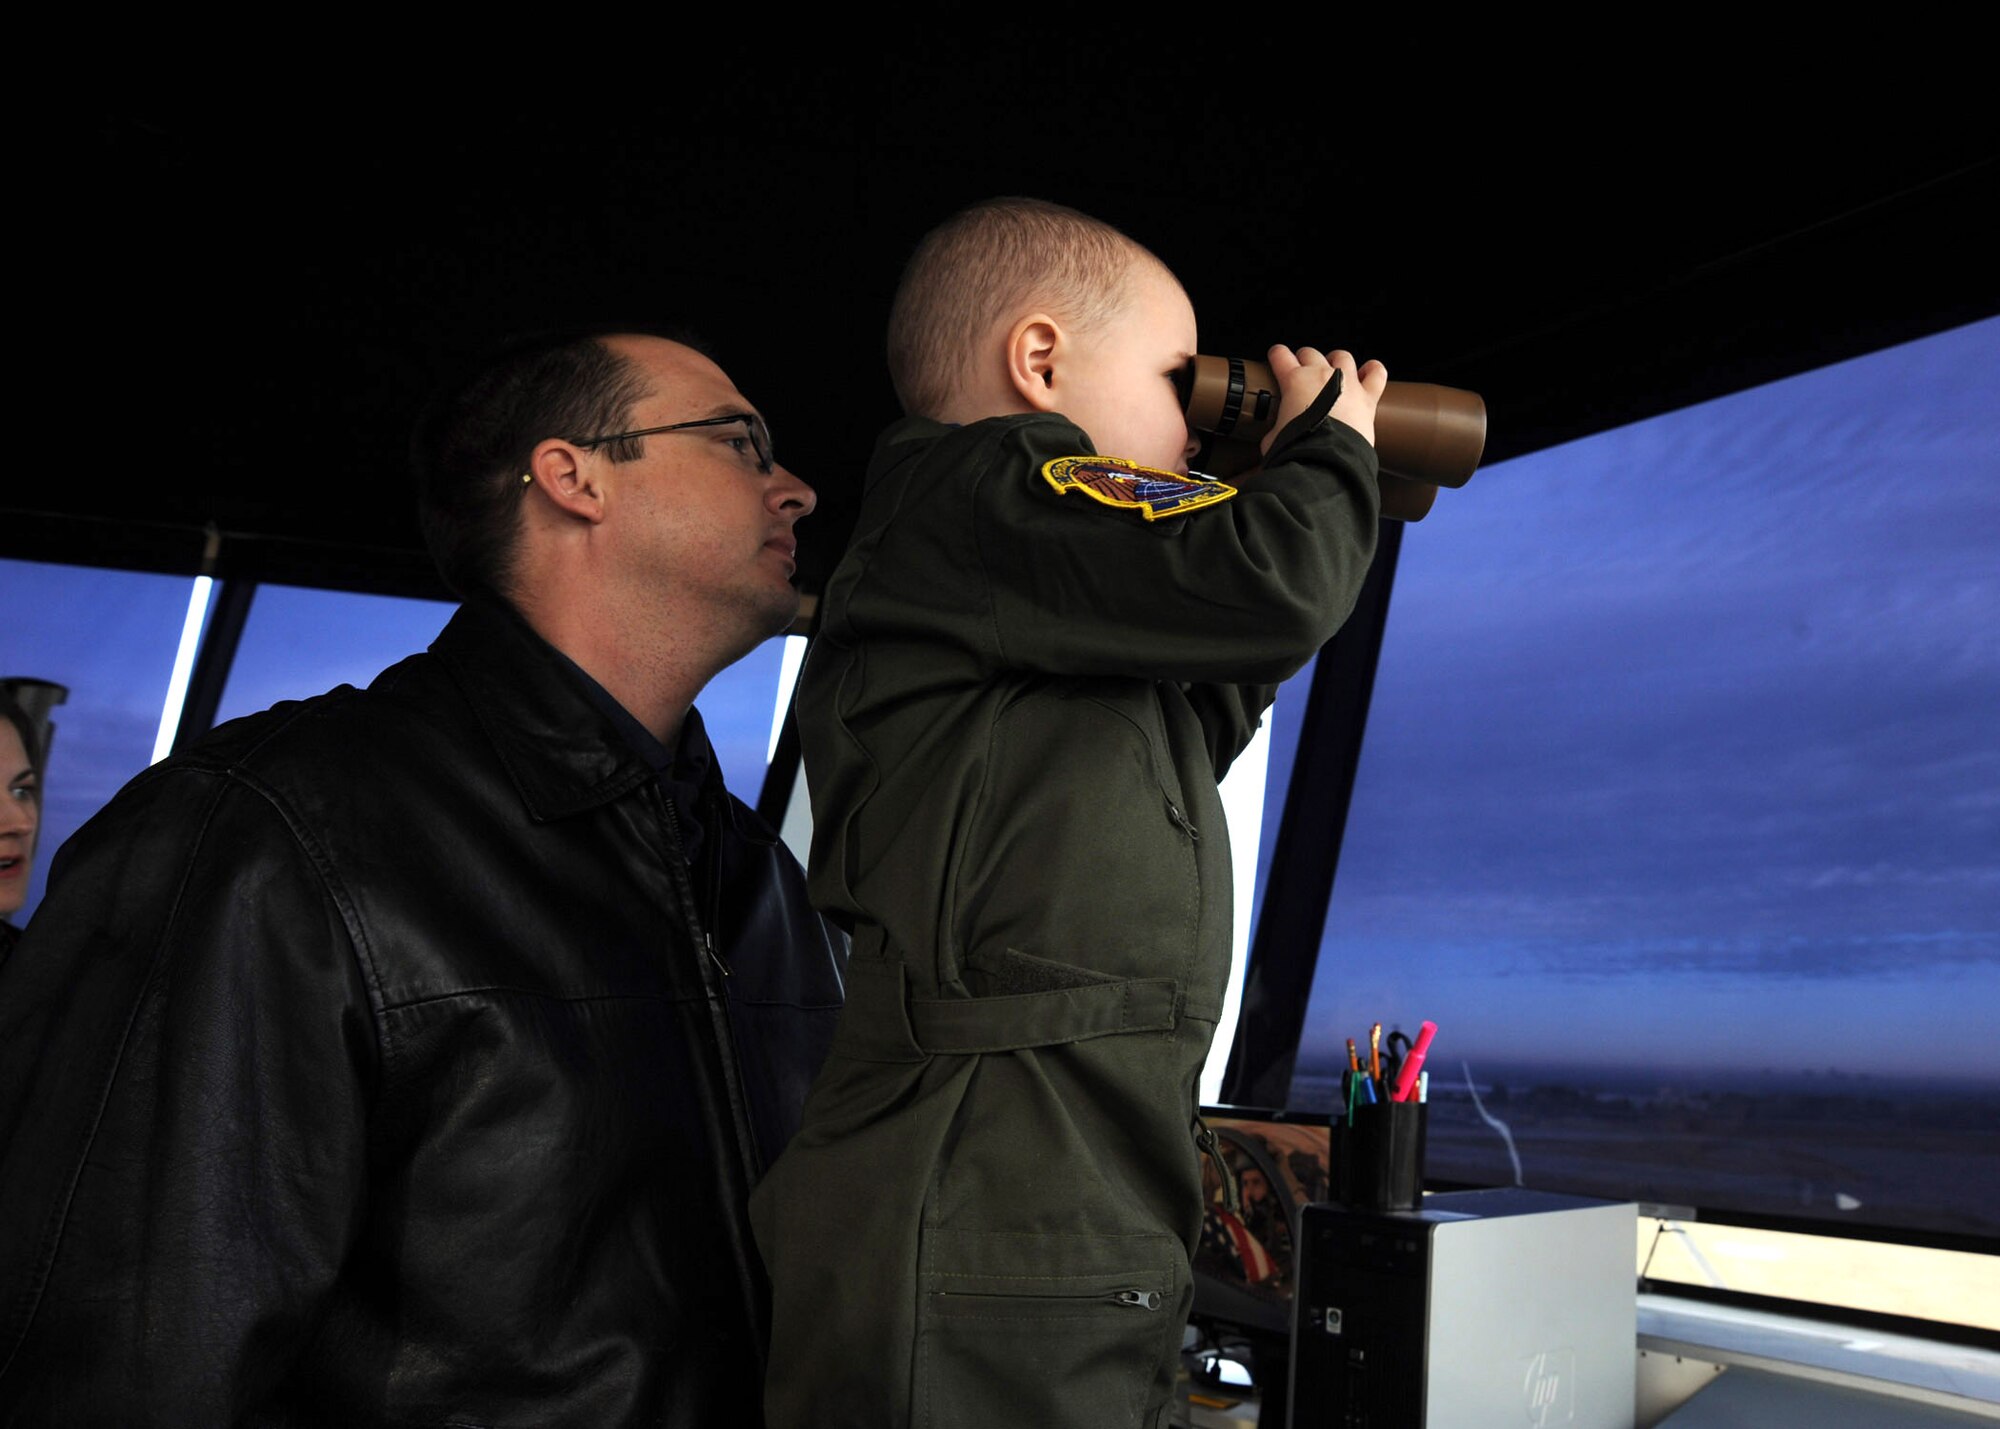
(1127, 1299)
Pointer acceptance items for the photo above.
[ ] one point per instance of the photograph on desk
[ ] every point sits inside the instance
(1245, 1262)
(1262, 1168)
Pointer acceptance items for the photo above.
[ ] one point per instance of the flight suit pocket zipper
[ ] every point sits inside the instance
(1037, 1351)
(1055, 1303)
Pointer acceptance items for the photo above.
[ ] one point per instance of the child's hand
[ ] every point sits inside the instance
(1301, 374)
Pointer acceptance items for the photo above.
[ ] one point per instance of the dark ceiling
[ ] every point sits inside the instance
(263, 295)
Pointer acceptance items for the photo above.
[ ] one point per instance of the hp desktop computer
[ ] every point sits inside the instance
(1506, 1309)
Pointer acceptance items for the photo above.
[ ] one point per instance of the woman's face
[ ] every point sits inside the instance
(20, 813)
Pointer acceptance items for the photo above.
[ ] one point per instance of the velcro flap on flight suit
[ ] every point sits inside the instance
(1043, 1019)
(883, 1023)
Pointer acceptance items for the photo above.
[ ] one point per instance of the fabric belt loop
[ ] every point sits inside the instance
(873, 1026)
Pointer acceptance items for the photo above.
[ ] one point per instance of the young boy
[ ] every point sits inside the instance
(1033, 667)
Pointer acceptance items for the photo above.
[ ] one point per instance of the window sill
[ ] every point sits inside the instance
(1840, 1363)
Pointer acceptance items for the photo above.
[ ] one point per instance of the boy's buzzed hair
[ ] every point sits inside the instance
(976, 266)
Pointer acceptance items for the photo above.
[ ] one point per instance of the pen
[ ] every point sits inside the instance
(1413, 1063)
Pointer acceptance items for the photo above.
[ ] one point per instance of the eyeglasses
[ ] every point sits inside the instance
(760, 435)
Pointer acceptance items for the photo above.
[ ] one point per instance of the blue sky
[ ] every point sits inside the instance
(1683, 745)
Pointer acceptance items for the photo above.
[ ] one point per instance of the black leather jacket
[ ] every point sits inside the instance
(367, 1065)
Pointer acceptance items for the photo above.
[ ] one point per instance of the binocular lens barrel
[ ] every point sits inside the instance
(1423, 432)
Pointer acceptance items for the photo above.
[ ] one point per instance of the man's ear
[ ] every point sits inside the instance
(560, 472)
(1033, 346)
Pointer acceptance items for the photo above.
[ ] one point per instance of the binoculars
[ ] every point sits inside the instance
(1425, 436)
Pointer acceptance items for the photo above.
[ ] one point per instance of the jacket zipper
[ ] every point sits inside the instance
(718, 996)
(710, 915)
(748, 1161)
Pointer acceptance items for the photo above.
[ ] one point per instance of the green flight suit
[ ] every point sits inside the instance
(1014, 718)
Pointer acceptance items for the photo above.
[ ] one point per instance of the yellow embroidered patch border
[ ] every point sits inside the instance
(1150, 492)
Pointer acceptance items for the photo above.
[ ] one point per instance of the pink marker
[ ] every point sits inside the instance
(1414, 1063)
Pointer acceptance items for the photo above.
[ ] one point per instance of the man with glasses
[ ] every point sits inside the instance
(407, 1055)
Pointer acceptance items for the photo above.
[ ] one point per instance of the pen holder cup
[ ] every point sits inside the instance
(1379, 1157)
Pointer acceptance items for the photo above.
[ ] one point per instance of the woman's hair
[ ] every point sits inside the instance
(25, 726)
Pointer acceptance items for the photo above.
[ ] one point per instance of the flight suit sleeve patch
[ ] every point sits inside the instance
(1141, 489)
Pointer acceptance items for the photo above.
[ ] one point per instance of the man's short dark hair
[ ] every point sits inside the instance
(474, 440)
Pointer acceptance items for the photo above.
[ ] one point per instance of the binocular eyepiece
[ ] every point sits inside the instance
(1426, 436)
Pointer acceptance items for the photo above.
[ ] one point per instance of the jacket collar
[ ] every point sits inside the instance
(563, 755)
